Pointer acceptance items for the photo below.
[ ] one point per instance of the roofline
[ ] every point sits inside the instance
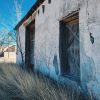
(32, 10)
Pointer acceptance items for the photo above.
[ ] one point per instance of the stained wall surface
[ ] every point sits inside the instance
(47, 30)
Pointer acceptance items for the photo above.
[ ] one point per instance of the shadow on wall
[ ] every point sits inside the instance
(88, 67)
(55, 64)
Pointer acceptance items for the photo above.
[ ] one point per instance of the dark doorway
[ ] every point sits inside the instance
(69, 46)
(29, 48)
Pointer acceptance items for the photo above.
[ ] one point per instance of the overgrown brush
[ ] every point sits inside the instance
(18, 84)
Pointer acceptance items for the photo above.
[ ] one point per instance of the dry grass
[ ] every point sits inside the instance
(18, 84)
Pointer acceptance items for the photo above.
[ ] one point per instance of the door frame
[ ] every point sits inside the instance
(62, 35)
(28, 64)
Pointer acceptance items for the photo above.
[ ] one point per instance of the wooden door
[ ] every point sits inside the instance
(72, 48)
(29, 48)
(32, 40)
(69, 47)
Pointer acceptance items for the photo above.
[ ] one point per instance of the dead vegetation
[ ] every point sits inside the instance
(18, 84)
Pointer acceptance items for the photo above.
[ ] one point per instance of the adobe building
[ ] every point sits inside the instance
(61, 39)
(8, 54)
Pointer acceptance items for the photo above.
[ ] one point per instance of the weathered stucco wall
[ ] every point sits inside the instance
(21, 44)
(90, 58)
(47, 34)
(47, 37)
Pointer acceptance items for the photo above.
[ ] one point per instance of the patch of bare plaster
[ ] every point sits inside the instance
(88, 68)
